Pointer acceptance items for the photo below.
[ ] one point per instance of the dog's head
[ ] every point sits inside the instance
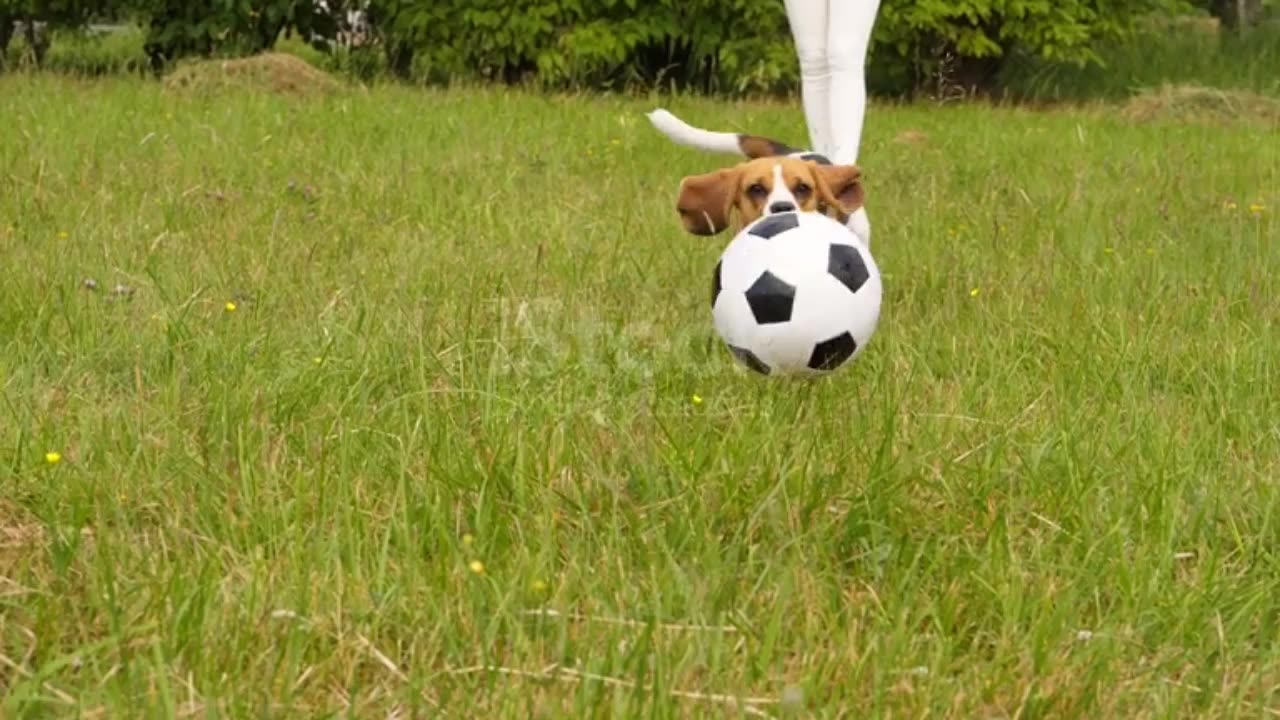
(765, 186)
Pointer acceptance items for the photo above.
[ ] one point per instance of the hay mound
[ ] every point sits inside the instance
(912, 137)
(1191, 103)
(270, 72)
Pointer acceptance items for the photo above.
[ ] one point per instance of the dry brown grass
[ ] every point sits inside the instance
(18, 530)
(21, 535)
(273, 72)
(1192, 103)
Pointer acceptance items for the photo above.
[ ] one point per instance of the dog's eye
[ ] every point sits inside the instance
(802, 189)
(757, 190)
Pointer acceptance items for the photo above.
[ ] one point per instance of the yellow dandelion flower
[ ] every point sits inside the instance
(317, 360)
(973, 292)
(538, 586)
(63, 234)
(230, 306)
(697, 399)
(468, 539)
(1257, 208)
(53, 457)
(477, 567)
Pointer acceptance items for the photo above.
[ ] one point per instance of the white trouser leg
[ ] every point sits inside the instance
(849, 25)
(808, 21)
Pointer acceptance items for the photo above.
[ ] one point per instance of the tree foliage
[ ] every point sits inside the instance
(967, 42)
(177, 28)
(726, 45)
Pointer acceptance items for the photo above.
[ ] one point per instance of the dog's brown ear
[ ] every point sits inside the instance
(840, 186)
(706, 200)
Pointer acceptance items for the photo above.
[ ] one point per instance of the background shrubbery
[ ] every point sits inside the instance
(1021, 47)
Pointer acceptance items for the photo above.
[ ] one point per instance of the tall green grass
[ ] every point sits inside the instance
(1169, 54)
(349, 395)
(84, 53)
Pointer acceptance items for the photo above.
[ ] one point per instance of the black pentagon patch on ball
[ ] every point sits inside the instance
(748, 358)
(816, 157)
(715, 284)
(845, 264)
(774, 224)
(831, 354)
(771, 298)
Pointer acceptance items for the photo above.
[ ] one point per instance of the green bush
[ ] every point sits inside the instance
(177, 28)
(724, 46)
(593, 43)
(737, 45)
(969, 43)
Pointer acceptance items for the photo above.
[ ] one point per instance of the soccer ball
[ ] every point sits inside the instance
(796, 293)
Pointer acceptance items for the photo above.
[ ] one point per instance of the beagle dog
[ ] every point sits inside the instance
(764, 186)
(774, 176)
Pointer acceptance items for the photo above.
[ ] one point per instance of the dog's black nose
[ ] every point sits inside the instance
(782, 206)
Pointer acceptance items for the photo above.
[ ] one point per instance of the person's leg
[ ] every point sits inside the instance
(808, 21)
(849, 24)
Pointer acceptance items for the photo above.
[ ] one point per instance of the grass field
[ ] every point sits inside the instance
(311, 406)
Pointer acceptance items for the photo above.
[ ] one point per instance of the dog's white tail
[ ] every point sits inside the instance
(683, 133)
